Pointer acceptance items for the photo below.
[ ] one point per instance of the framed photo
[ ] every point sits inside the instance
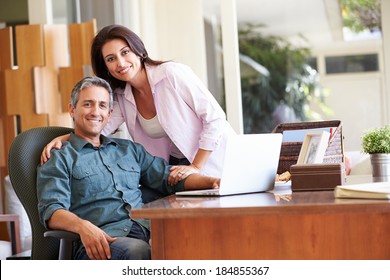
(313, 147)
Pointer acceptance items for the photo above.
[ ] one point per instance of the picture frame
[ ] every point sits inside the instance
(313, 147)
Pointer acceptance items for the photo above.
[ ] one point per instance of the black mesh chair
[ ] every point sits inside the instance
(23, 159)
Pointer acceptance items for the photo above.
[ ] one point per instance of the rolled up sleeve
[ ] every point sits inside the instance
(53, 190)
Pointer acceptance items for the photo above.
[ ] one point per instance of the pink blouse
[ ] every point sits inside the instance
(187, 111)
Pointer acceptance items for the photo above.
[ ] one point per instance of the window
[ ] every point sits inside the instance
(352, 63)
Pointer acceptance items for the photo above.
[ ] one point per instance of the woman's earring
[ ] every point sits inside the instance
(108, 73)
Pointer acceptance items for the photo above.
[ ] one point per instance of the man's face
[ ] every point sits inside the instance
(92, 112)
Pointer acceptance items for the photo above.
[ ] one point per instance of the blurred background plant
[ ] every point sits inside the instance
(282, 86)
(359, 15)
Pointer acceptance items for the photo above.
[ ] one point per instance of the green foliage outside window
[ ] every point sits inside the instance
(359, 15)
(291, 81)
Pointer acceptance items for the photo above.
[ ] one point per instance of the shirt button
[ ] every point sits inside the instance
(125, 229)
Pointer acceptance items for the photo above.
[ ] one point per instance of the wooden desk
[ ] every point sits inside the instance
(302, 225)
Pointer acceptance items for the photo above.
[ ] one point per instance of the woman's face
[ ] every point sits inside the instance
(121, 62)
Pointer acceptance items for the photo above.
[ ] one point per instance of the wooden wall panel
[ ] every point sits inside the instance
(6, 54)
(80, 39)
(3, 171)
(8, 132)
(68, 78)
(2, 146)
(6, 122)
(3, 108)
(29, 46)
(35, 88)
(46, 82)
(6, 62)
(20, 98)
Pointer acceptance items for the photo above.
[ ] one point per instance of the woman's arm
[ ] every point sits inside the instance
(178, 172)
(201, 158)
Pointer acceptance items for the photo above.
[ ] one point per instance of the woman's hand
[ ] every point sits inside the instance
(180, 172)
(56, 143)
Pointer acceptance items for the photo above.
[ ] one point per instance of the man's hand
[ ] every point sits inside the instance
(96, 241)
(216, 182)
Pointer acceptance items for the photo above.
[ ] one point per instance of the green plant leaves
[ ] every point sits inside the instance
(376, 140)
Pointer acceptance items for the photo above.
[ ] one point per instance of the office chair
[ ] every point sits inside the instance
(23, 159)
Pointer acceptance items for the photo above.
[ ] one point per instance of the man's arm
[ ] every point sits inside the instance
(94, 239)
(155, 172)
(197, 181)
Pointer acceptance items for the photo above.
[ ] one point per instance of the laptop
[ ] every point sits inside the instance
(250, 165)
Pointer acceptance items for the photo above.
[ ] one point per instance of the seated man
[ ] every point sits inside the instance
(91, 184)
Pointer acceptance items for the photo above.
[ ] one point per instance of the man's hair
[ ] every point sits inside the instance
(88, 82)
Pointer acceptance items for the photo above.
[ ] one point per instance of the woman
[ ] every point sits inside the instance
(164, 104)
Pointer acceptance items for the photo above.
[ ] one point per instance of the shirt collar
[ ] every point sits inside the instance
(78, 143)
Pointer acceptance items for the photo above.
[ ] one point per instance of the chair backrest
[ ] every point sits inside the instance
(23, 159)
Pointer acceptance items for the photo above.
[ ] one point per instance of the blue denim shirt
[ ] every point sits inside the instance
(99, 184)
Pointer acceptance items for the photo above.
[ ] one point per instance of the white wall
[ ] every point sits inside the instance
(174, 30)
(359, 100)
(386, 53)
(170, 32)
(356, 101)
(40, 12)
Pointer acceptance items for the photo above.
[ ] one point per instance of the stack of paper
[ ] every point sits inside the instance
(377, 190)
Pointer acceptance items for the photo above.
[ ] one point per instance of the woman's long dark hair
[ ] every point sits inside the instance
(109, 33)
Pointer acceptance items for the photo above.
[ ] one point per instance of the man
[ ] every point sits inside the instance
(91, 184)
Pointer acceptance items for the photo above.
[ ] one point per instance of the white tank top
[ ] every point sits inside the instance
(153, 129)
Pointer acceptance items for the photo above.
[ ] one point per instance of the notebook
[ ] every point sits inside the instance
(250, 165)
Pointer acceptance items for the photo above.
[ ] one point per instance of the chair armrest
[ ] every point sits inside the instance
(62, 234)
(66, 239)
(13, 219)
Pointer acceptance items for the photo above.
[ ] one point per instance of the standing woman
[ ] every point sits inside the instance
(164, 104)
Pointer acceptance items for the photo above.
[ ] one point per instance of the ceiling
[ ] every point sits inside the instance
(319, 21)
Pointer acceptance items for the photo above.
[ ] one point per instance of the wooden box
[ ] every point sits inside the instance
(317, 177)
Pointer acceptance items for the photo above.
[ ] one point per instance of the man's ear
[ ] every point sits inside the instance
(71, 110)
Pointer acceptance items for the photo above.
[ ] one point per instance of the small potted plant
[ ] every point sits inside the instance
(376, 143)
